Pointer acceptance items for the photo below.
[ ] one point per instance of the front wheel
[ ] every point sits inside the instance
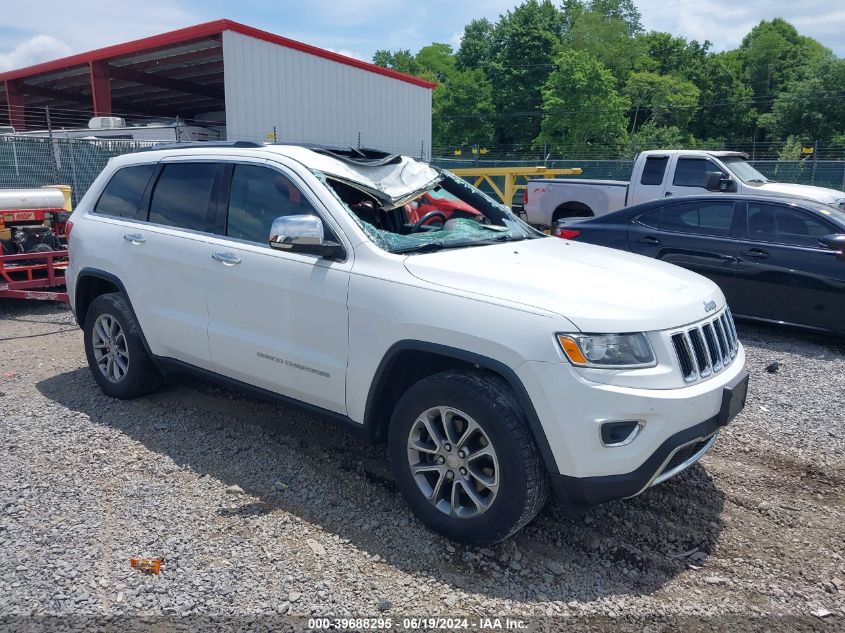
(464, 459)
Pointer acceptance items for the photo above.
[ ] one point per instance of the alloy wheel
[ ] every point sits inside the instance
(111, 352)
(453, 462)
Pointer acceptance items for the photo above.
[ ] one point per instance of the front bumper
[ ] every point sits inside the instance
(675, 454)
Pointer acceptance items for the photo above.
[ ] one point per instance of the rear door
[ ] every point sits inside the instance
(699, 235)
(784, 273)
(650, 184)
(166, 255)
(690, 176)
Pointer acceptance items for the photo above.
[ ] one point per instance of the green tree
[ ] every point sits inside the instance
(608, 39)
(664, 100)
(651, 136)
(624, 10)
(435, 61)
(811, 107)
(474, 51)
(774, 54)
(667, 54)
(522, 51)
(581, 105)
(791, 150)
(463, 111)
(401, 61)
(726, 109)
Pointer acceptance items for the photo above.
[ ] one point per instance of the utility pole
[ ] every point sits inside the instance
(53, 148)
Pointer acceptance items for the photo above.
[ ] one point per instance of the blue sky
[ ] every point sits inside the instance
(34, 31)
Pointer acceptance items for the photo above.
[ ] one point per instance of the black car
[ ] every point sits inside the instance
(776, 259)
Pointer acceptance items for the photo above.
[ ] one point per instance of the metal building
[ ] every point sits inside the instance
(249, 83)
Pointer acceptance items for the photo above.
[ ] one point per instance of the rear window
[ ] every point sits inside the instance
(123, 193)
(182, 194)
(703, 218)
(655, 167)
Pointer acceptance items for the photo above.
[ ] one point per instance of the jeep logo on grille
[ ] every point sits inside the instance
(709, 306)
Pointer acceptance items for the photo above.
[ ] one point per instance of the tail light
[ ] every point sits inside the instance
(566, 234)
(525, 196)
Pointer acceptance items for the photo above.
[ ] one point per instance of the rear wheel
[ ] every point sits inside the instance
(464, 459)
(572, 210)
(116, 355)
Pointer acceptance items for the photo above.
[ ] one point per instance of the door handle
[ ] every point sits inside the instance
(756, 253)
(135, 238)
(228, 259)
(649, 240)
(667, 194)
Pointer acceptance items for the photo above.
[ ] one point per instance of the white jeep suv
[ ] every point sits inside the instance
(388, 295)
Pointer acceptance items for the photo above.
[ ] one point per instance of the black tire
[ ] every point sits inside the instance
(141, 376)
(523, 484)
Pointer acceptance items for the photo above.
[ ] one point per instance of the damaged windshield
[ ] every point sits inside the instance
(448, 213)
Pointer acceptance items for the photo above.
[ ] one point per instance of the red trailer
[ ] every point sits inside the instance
(33, 249)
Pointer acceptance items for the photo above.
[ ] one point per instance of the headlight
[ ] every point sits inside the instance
(608, 351)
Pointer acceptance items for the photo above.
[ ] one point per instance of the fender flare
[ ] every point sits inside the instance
(484, 362)
(101, 274)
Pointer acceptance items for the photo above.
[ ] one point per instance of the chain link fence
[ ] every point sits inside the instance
(822, 173)
(35, 162)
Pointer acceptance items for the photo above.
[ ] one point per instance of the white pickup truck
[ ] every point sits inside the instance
(659, 173)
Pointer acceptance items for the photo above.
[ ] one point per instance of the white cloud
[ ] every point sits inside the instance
(347, 53)
(726, 22)
(88, 24)
(40, 48)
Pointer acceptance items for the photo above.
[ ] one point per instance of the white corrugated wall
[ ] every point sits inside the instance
(313, 99)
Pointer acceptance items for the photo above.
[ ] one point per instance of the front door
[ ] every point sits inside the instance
(277, 320)
(785, 274)
(690, 177)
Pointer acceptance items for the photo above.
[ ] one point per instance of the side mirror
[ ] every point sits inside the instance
(302, 234)
(835, 242)
(716, 181)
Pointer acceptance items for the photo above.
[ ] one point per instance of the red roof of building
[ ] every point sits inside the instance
(207, 29)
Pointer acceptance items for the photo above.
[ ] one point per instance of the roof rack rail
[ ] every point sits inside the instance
(187, 145)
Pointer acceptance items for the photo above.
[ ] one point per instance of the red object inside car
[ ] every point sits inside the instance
(440, 201)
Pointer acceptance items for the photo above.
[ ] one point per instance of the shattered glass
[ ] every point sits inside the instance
(500, 224)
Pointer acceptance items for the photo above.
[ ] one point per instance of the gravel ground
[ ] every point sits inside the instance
(262, 512)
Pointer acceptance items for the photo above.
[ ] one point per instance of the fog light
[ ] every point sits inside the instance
(620, 433)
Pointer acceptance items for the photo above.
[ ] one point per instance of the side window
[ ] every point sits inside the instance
(692, 172)
(651, 218)
(702, 218)
(782, 225)
(257, 196)
(182, 195)
(123, 193)
(654, 169)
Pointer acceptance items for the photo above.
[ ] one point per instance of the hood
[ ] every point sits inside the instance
(598, 289)
(809, 192)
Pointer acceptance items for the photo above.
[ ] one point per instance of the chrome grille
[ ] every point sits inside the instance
(707, 347)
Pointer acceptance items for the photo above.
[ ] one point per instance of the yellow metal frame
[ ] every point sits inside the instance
(511, 176)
